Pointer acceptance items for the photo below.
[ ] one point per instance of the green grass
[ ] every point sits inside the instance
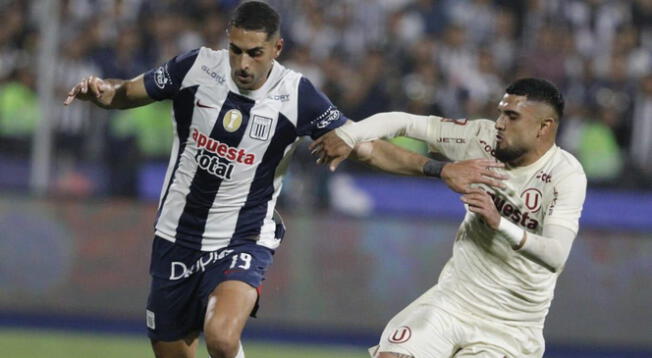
(54, 344)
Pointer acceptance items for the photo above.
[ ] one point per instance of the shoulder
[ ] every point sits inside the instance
(567, 168)
(483, 125)
(209, 67)
(211, 57)
(476, 128)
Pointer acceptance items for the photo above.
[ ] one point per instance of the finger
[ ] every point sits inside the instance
(71, 95)
(316, 143)
(472, 203)
(494, 174)
(473, 197)
(94, 84)
(323, 157)
(336, 162)
(476, 190)
(490, 182)
(316, 150)
(84, 86)
(490, 163)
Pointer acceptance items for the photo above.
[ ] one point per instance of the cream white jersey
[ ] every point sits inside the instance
(485, 275)
(231, 148)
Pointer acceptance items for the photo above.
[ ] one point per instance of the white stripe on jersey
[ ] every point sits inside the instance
(228, 179)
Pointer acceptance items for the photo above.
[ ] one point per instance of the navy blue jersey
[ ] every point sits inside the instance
(231, 147)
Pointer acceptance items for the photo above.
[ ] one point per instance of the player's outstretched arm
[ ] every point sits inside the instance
(110, 93)
(458, 176)
(385, 156)
(335, 146)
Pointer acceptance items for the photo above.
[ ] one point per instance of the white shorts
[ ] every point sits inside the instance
(426, 330)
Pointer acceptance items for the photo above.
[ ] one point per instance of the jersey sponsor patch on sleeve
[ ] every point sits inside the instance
(316, 114)
(162, 77)
(332, 114)
(163, 82)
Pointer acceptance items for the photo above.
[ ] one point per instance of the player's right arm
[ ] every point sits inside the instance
(111, 93)
(163, 82)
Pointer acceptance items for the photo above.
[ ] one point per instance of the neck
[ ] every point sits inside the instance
(531, 156)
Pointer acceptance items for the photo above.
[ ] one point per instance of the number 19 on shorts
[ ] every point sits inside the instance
(241, 261)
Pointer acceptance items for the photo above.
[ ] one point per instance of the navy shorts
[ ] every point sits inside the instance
(183, 279)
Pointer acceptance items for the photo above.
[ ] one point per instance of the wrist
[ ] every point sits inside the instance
(345, 136)
(433, 168)
(514, 234)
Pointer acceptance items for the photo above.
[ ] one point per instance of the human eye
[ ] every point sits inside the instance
(236, 50)
(255, 53)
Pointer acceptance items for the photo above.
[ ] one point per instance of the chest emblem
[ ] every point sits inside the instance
(260, 128)
(232, 120)
(532, 199)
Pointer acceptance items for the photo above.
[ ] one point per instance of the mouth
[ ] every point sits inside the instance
(499, 138)
(243, 77)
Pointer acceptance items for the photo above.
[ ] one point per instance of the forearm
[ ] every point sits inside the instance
(390, 158)
(384, 125)
(128, 94)
(549, 250)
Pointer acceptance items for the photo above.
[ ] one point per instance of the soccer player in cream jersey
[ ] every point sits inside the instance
(493, 295)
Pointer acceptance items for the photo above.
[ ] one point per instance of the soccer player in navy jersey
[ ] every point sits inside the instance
(238, 114)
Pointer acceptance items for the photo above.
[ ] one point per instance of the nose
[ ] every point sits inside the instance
(500, 123)
(245, 62)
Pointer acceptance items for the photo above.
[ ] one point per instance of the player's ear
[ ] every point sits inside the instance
(278, 47)
(547, 126)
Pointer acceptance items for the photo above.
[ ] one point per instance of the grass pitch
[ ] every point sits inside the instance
(16, 343)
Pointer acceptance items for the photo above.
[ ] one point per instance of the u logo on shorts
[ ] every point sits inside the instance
(401, 335)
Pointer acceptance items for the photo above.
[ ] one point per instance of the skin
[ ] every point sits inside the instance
(526, 130)
(251, 56)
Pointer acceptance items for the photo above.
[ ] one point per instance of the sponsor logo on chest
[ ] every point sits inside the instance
(519, 215)
(219, 158)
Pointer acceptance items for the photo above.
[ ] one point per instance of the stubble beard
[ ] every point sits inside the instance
(509, 155)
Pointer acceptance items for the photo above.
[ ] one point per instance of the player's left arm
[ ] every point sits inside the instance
(458, 176)
(551, 249)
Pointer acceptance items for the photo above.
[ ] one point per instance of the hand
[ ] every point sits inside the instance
(92, 89)
(330, 149)
(460, 175)
(480, 202)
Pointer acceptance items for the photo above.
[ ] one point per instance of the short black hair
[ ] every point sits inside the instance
(256, 16)
(536, 89)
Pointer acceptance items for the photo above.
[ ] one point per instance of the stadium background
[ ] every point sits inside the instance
(78, 186)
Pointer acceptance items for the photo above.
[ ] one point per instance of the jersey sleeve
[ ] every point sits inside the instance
(316, 114)
(453, 137)
(164, 82)
(568, 200)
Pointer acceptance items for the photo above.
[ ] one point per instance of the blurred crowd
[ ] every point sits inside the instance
(447, 57)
